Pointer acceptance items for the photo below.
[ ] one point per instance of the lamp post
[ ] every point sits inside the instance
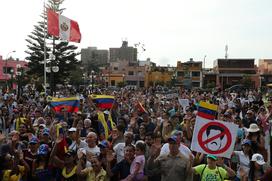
(52, 57)
(124, 80)
(19, 76)
(92, 73)
(11, 80)
(55, 69)
(6, 67)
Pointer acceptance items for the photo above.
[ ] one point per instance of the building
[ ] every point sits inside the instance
(123, 53)
(159, 76)
(233, 71)
(10, 69)
(189, 74)
(94, 56)
(209, 78)
(128, 72)
(265, 71)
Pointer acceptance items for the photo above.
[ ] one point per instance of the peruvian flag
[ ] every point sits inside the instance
(62, 27)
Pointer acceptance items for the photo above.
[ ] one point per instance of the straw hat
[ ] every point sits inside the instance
(253, 128)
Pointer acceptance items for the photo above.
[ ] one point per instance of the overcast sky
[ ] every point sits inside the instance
(171, 30)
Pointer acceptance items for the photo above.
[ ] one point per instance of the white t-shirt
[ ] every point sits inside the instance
(75, 147)
(244, 162)
(95, 151)
(182, 148)
(119, 151)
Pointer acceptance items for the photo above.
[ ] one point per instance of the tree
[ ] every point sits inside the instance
(247, 82)
(64, 53)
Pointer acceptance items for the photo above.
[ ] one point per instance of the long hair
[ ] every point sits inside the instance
(252, 169)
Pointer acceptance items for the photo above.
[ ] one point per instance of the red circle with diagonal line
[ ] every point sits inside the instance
(203, 143)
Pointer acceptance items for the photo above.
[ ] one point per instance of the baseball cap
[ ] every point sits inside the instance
(72, 129)
(45, 131)
(176, 133)
(258, 158)
(103, 144)
(43, 149)
(246, 142)
(106, 112)
(172, 139)
(42, 125)
(212, 157)
(250, 112)
(34, 140)
(227, 114)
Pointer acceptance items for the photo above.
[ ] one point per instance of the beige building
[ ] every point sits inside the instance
(159, 76)
(189, 74)
(265, 71)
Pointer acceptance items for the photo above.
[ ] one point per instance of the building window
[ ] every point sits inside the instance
(180, 74)
(112, 82)
(196, 84)
(130, 73)
(8, 70)
(115, 68)
(195, 74)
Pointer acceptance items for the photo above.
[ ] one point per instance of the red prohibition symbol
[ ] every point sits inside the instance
(203, 143)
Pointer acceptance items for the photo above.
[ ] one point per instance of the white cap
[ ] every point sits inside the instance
(258, 158)
(42, 125)
(106, 112)
(72, 129)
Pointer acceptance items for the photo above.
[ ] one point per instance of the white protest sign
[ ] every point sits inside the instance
(214, 137)
(184, 103)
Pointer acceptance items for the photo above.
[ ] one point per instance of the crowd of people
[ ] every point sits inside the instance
(146, 135)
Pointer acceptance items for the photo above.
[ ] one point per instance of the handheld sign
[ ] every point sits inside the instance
(184, 103)
(214, 137)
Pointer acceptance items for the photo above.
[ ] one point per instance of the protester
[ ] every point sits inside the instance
(256, 167)
(41, 142)
(211, 171)
(172, 165)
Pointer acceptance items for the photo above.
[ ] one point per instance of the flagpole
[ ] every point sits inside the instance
(44, 56)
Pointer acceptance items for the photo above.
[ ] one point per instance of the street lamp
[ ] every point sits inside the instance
(6, 67)
(11, 80)
(19, 76)
(52, 57)
(92, 73)
(124, 79)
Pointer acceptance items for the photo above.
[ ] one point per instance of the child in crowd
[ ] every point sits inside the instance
(137, 166)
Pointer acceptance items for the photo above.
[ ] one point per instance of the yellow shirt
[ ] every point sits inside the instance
(14, 177)
(101, 176)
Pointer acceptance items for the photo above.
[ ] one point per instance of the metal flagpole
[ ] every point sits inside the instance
(44, 56)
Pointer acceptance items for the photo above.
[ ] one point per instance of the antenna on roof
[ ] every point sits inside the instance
(226, 52)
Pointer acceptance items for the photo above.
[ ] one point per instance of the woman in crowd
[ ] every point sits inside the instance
(256, 167)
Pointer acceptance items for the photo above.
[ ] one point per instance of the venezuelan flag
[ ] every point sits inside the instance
(103, 101)
(207, 110)
(71, 104)
(141, 108)
(63, 144)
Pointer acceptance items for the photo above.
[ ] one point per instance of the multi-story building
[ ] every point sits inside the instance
(94, 56)
(128, 72)
(232, 71)
(123, 53)
(189, 74)
(10, 69)
(265, 71)
(160, 75)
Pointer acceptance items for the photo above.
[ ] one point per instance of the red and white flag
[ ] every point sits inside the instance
(62, 27)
